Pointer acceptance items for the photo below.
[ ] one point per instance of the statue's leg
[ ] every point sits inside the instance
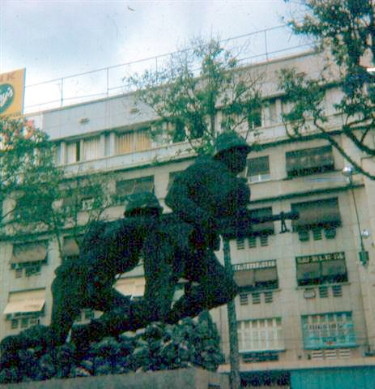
(67, 303)
(215, 286)
(114, 320)
(162, 275)
(121, 314)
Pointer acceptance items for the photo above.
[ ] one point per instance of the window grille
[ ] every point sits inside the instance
(317, 234)
(329, 330)
(252, 242)
(268, 297)
(255, 298)
(244, 300)
(337, 291)
(240, 244)
(264, 240)
(323, 291)
(260, 335)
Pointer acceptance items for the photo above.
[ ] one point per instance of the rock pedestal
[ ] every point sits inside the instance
(192, 378)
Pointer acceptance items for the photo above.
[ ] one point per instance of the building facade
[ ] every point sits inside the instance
(306, 301)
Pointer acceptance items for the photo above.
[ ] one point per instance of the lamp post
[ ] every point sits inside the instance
(348, 172)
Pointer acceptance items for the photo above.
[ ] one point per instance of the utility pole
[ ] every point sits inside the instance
(234, 357)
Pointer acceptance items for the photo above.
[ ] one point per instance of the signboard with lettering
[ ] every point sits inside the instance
(12, 87)
(321, 257)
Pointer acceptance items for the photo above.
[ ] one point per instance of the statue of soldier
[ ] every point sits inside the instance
(183, 243)
(108, 249)
(201, 196)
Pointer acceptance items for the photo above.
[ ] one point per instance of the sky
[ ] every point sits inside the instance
(58, 38)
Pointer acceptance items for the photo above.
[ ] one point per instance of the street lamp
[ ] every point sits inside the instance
(348, 172)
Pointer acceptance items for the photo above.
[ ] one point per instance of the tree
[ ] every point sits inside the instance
(28, 172)
(41, 198)
(199, 92)
(345, 29)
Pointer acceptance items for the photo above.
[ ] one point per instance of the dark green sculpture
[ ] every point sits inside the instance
(174, 246)
(182, 244)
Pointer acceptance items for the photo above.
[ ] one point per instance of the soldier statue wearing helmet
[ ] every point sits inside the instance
(183, 244)
(108, 249)
(177, 245)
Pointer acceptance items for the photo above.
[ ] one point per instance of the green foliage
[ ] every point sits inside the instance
(345, 29)
(28, 172)
(192, 89)
(41, 198)
(159, 347)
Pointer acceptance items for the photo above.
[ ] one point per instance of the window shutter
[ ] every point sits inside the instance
(245, 278)
(262, 228)
(321, 213)
(29, 252)
(308, 161)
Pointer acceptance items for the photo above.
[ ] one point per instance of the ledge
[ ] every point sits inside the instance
(172, 379)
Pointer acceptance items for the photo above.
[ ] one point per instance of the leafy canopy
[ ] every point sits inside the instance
(197, 93)
(346, 30)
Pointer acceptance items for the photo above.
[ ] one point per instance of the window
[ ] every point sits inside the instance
(254, 118)
(260, 335)
(129, 142)
(329, 330)
(317, 215)
(309, 161)
(259, 275)
(263, 228)
(73, 152)
(91, 149)
(321, 269)
(258, 169)
(136, 185)
(28, 258)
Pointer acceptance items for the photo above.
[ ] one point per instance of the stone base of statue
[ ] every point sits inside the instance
(159, 348)
(191, 378)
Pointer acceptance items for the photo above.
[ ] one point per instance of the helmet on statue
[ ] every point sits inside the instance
(230, 140)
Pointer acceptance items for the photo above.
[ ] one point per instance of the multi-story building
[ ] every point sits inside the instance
(305, 309)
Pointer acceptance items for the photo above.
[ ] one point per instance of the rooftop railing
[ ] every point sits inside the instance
(250, 48)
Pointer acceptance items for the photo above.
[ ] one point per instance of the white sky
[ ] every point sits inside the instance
(58, 38)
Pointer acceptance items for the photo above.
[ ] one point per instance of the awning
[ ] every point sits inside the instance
(29, 252)
(323, 213)
(262, 228)
(317, 157)
(134, 287)
(244, 278)
(70, 247)
(26, 301)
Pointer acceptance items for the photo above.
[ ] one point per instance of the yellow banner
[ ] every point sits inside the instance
(12, 86)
